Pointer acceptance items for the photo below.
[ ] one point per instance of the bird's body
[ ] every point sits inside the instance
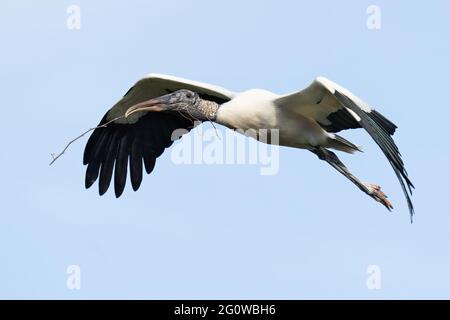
(144, 120)
(252, 109)
(256, 109)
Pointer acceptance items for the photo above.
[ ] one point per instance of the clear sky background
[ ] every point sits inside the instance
(222, 231)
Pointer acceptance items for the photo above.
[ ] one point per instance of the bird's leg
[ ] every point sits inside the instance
(371, 189)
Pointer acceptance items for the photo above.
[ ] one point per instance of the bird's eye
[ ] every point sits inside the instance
(189, 95)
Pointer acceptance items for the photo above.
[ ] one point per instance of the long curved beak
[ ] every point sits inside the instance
(156, 104)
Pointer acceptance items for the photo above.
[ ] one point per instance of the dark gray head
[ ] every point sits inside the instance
(182, 100)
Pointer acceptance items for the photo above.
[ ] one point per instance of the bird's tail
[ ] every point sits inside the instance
(339, 143)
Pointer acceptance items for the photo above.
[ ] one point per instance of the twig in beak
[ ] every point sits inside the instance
(56, 157)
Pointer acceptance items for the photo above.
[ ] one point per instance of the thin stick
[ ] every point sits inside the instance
(56, 157)
(215, 129)
(181, 114)
(193, 118)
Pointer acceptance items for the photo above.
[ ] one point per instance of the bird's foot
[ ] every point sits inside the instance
(378, 195)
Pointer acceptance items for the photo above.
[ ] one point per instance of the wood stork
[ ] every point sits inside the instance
(140, 126)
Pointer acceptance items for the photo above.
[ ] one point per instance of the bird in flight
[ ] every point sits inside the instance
(137, 129)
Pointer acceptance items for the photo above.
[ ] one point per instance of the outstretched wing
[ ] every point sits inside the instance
(138, 140)
(335, 109)
(156, 85)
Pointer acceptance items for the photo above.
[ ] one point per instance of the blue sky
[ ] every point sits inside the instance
(216, 231)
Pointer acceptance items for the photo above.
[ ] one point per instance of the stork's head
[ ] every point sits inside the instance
(181, 100)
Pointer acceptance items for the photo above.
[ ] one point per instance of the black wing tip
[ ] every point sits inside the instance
(135, 184)
(118, 193)
(116, 148)
(381, 129)
(412, 211)
(88, 183)
(383, 122)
